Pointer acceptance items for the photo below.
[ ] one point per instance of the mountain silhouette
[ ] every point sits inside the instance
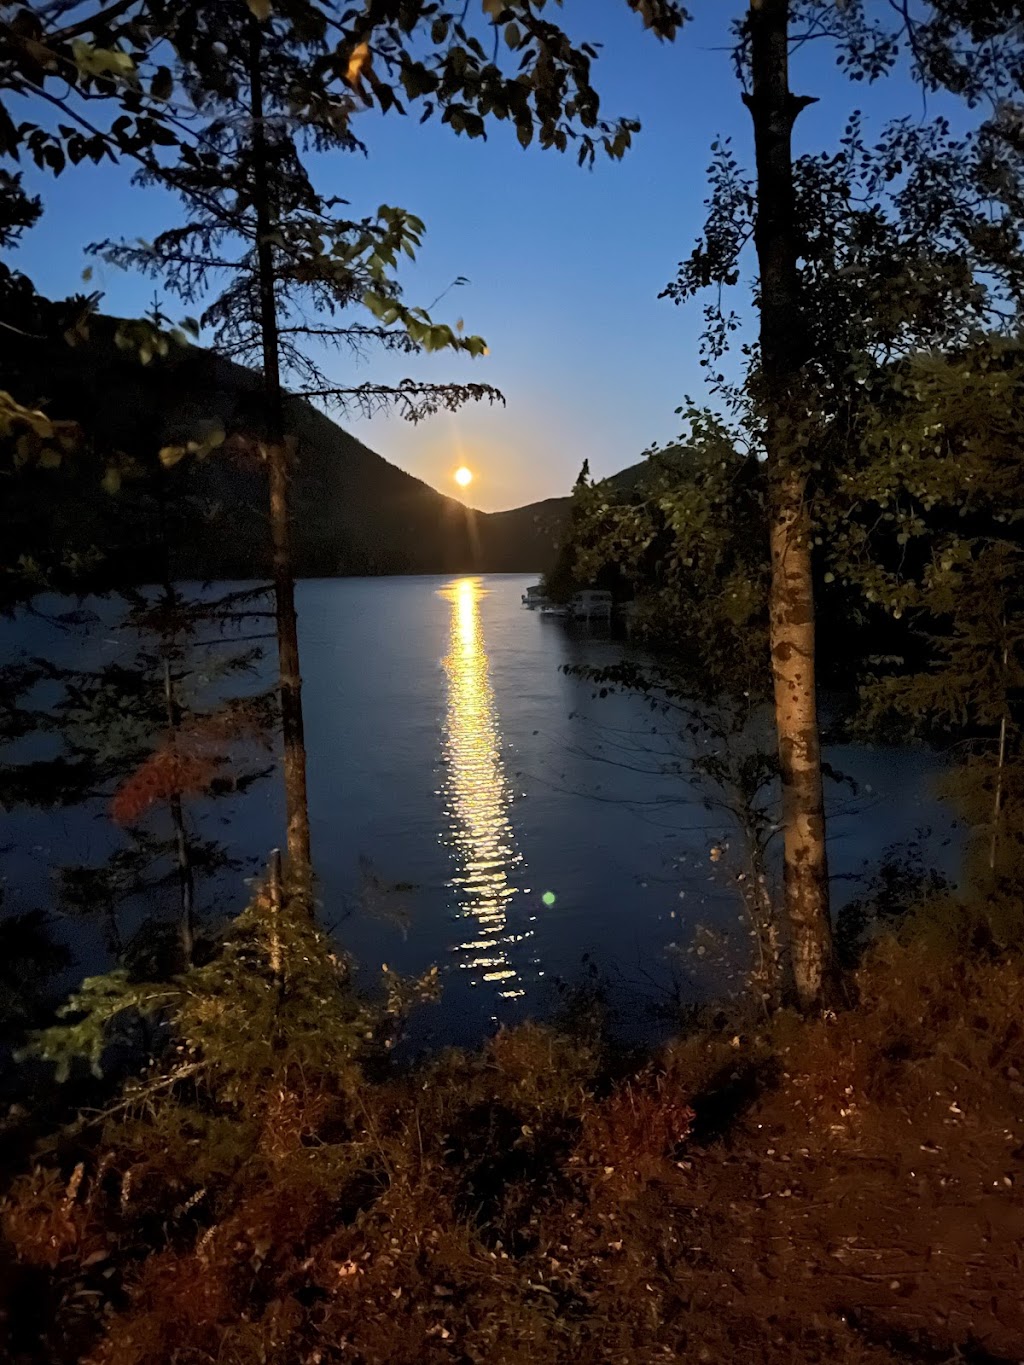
(354, 512)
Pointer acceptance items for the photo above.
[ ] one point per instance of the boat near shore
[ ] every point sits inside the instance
(589, 604)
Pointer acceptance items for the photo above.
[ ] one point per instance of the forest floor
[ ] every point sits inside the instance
(844, 1190)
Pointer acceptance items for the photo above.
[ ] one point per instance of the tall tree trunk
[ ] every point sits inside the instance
(279, 474)
(774, 110)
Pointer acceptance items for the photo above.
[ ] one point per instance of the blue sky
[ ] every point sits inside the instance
(565, 265)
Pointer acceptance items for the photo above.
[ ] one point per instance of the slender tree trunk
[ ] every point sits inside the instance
(279, 474)
(997, 804)
(767, 977)
(112, 934)
(186, 879)
(774, 110)
(275, 897)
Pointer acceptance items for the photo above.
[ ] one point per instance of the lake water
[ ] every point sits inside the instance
(474, 807)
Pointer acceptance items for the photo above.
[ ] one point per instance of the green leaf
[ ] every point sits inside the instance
(112, 481)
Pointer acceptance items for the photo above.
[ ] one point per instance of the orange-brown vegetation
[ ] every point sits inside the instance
(187, 763)
(165, 773)
(848, 1190)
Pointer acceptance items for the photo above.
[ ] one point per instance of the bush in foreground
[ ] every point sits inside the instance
(847, 1189)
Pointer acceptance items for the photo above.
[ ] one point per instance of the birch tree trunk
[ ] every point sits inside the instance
(774, 110)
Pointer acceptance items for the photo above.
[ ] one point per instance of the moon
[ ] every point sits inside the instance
(463, 476)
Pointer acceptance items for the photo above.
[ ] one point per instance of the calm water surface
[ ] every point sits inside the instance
(475, 808)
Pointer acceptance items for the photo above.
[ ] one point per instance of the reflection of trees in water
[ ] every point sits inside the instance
(709, 774)
(478, 797)
(720, 766)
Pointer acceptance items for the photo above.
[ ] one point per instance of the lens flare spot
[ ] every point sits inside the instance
(549, 898)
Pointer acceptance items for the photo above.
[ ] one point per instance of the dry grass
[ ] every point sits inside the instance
(849, 1190)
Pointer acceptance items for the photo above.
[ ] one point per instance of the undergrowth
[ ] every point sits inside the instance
(267, 1189)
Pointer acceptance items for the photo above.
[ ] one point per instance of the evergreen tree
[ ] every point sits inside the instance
(256, 217)
(257, 220)
(172, 720)
(162, 730)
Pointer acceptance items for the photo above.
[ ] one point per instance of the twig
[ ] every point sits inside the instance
(140, 1097)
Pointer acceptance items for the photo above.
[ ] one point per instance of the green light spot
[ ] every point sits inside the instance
(548, 898)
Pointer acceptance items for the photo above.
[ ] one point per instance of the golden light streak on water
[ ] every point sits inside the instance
(478, 797)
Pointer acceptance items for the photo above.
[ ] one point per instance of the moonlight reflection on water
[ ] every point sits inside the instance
(478, 798)
(449, 749)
